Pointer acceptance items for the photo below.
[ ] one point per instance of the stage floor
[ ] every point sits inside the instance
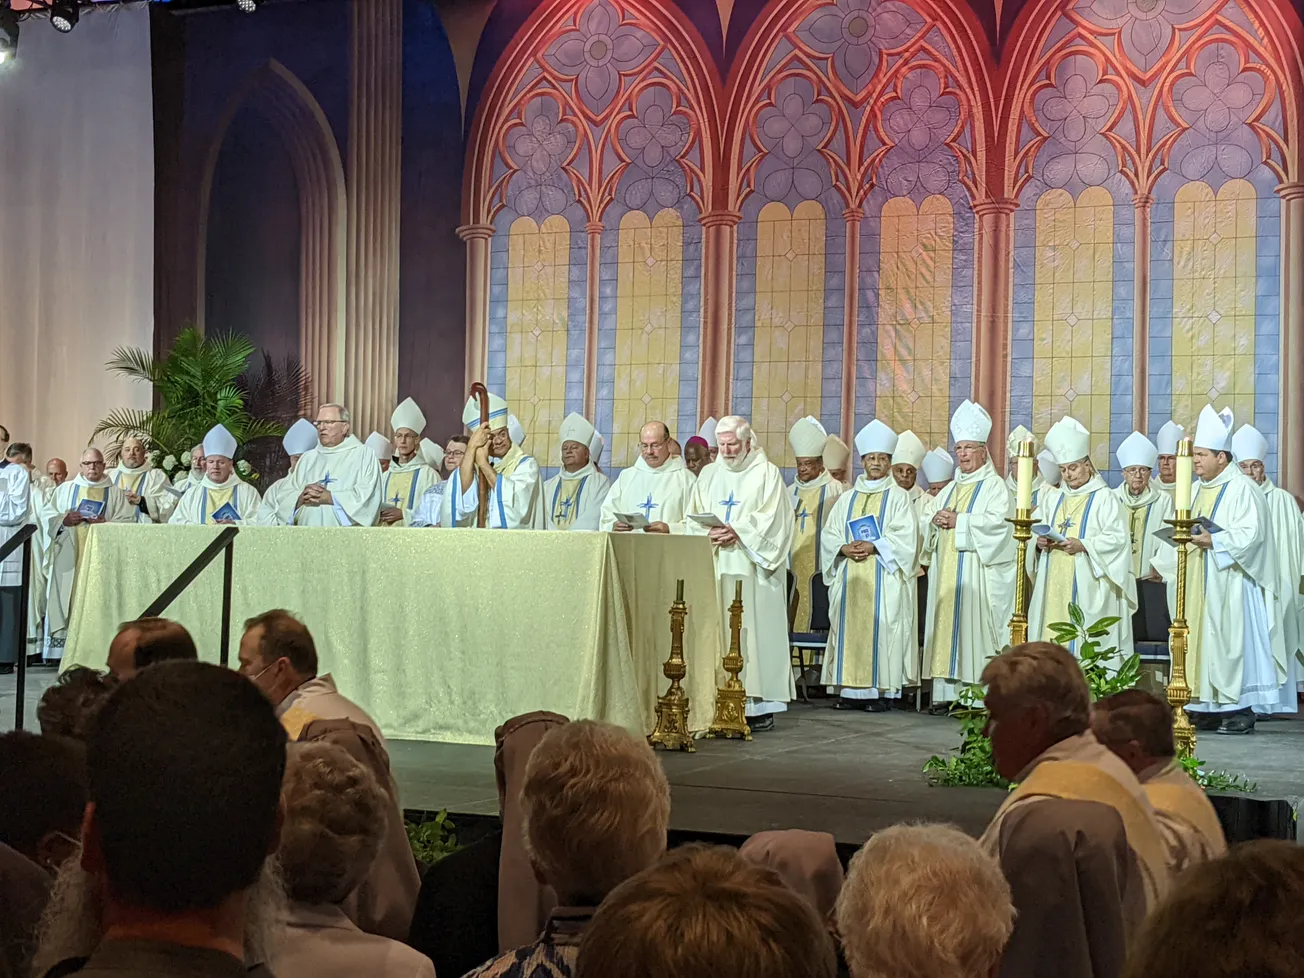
(840, 772)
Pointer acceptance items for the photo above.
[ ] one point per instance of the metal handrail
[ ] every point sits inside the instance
(223, 542)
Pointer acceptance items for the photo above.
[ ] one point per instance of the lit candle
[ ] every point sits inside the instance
(1023, 478)
(1184, 478)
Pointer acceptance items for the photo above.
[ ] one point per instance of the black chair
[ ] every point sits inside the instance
(1150, 621)
(816, 638)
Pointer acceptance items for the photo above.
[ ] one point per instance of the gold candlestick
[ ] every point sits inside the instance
(672, 731)
(1179, 693)
(1022, 534)
(731, 699)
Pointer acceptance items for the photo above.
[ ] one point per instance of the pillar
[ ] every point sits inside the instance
(1141, 204)
(1290, 424)
(591, 309)
(477, 238)
(850, 321)
(719, 281)
(994, 314)
(374, 206)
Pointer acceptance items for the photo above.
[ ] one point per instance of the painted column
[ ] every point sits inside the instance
(719, 280)
(850, 321)
(477, 238)
(1141, 204)
(1290, 448)
(594, 229)
(374, 192)
(994, 314)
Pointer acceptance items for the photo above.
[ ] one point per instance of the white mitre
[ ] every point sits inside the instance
(909, 450)
(1169, 435)
(836, 453)
(301, 438)
(1068, 441)
(497, 413)
(379, 444)
(596, 444)
(1214, 429)
(1248, 445)
(514, 430)
(1048, 467)
(1137, 449)
(875, 438)
(971, 422)
(707, 431)
(408, 415)
(1016, 439)
(939, 466)
(807, 438)
(574, 427)
(219, 442)
(432, 454)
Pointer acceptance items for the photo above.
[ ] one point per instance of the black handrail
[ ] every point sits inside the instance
(223, 541)
(23, 538)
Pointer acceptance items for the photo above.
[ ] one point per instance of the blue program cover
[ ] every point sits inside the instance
(865, 528)
(226, 512)
(90, 509)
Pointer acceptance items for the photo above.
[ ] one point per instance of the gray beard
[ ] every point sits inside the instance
(735, 464)
(72, 923)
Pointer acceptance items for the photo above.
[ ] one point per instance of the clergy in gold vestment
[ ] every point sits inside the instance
(657, 486)
(1236, 653)
(1166, 444)
(516, 493)
(301, 438)
(221, 496)
(872, 650)
(837, 460)
(1091, 566)
(744, 490)
(812, 493)
(145, 487)
(906, 462)
(573, 497)
(338, 482)
(971, 578)
(1078, 840)
(409, 474)
(1148, 506)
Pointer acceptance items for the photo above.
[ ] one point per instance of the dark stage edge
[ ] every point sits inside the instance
(849, 774)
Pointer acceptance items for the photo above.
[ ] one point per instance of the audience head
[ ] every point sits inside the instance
(1137, 726)
(1233, 917)
(454, 452)
(595, 806)
(806, 861)
(92, 465)
(1036, 697)
(924, 901)
(70, 706)
(334, 424)
(57, 470)
(20, 453)
(43, 784)
(277, 653)
(654, 444)
(4, 435)
(703, 913)
(132, 452)
(335, 813)
(145, 641)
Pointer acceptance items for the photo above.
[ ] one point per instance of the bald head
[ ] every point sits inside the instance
(132, 452)
(57, 470)
(654, 444)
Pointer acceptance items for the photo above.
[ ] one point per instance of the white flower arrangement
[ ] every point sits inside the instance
(185, 460)
(170, 464)
(243, 467)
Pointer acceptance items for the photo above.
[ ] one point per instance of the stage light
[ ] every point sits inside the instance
(247, 6)
(8, 33)
(63, 15)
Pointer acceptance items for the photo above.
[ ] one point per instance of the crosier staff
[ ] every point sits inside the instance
(481, 393)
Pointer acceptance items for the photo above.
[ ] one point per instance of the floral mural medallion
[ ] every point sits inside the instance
(854, 33)
(597, 52)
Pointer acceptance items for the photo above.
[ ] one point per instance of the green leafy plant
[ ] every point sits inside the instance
(971, 766)
(197, 384)
(1217, 780)
(432, 839)
(1106, 673)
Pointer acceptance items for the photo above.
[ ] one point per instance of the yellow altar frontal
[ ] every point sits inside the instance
(440, 635)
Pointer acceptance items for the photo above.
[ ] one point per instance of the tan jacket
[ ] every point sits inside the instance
(322, 942)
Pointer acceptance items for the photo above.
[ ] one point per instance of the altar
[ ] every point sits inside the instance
(439, 634)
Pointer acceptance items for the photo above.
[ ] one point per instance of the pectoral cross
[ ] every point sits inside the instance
(648, 506)
(729, 505)
(802, 514)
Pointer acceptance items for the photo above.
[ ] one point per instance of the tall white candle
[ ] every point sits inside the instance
(1185, 477)
(1023, 477)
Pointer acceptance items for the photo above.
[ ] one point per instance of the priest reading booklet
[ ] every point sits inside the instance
(745, 491)
(338, 482)
(301, 438)
(1148, 506)
(573, 497)
(1088, 560)
(145, 487)
(409, 474)
(872, 650)
(812, 494)
(221, 496)
(656, 486)
(516, 493)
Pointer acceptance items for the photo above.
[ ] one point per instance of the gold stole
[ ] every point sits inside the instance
(946, 575)
(295, 719)
(859, 616)
(1205, 504)
(804, 553)
(398, 488)
(1061, 582)
(1075, 781)
(130, 486)
(215, 499)
(506, 465)
(1138, 516)
(1190, 804)
(565, 501)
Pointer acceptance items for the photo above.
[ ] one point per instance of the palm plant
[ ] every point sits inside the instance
(197, 385)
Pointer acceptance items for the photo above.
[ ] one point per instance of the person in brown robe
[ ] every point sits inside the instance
(1078, 840)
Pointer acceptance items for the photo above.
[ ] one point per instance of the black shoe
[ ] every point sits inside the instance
(1240, 722)
(879, 705)
(842, 703)
(34, 660)
(6, 668)
(1202, 720)
(761, 723)
(940, 710)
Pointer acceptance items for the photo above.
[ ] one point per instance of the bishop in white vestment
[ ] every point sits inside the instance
(744, 490)
(1148, 506)
(906, 462)
(301, 438)
(409, 474)
(89, 498)
(145, 487)
(335, 484)
(939, 470)
(813, 493)
(657, 487)
(1166, 444)
(1012, 451)
(971, 578)
(516, 491)
(1236, 653)
(221, 497)
(1091, 566)
(837, 460)
(873, 647)
(573, 497)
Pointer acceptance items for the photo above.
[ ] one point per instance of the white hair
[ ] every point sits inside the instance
(344, 412)
(738, 426)
(923, 901)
